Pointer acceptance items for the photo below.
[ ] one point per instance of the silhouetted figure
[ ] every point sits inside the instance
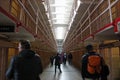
(91, 64)
(26, 65)
(64, 58)
(57, 62)
(51, 60)
(70, 57)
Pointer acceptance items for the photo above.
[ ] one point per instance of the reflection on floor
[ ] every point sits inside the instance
(68, 73)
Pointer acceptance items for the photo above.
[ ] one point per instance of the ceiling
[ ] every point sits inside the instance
(62, 17)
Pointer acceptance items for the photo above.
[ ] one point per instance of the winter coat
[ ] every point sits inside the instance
(57, 60)
(84, 72)
(25, 66)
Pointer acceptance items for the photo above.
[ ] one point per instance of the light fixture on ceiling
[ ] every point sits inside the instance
(61, 12)
(60, 31)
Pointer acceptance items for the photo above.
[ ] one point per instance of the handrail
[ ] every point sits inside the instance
(43, 20)
(96, 17)
(8, 15)
(42, 30)
(90, 23)
(32, 7)
(84, 14)
(40, 21)
(88, 17)
(26, 11)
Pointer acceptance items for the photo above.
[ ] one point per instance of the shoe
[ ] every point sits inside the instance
(60, 71)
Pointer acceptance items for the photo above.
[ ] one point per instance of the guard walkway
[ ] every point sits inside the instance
(69, 72)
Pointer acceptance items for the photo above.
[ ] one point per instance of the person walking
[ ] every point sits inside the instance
(64, 58)
(91, 64)
(51, 60)
(26, 65)
(57, 62)
(70, 57)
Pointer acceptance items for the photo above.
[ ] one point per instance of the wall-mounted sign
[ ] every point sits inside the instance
(7, 28)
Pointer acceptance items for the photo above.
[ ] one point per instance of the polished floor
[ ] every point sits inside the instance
(68, 73)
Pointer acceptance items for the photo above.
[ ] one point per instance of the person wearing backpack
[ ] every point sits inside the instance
(26, 65)
(91, 64)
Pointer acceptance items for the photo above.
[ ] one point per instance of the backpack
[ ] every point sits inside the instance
(94, 64)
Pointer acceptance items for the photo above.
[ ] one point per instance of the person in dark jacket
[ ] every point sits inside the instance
(51, 60)
(84, 72)
(57, 62)
(70, 57)
(26, 65)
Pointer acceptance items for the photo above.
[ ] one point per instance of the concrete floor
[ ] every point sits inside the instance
(68, 73)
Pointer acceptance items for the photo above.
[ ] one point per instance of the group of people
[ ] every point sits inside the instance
(63, 57)
(68, 57)
(27, 64)
(58, 59)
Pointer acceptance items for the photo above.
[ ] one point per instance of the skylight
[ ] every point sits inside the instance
(60, 11)
(60, 31)
(61, 14)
